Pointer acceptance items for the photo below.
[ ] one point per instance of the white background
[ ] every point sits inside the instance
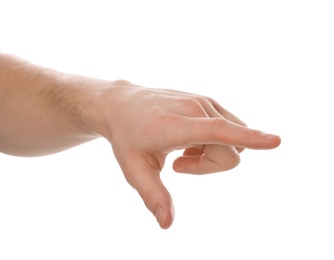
(268, 62)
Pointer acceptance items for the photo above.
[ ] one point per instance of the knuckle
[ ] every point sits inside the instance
(121, 82)
(223, 158)
(233, 160)
(215, 104)
(193, 107)
(202, 99)
(230, 160)
(243, 124)
(212, 101)
(218, 123)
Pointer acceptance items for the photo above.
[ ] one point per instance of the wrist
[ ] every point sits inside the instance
(101, 103)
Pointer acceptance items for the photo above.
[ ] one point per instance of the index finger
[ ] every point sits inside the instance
(194, 131)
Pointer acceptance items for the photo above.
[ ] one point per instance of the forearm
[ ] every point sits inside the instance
(42, 111)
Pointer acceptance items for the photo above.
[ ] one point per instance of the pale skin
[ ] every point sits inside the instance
(43, 111)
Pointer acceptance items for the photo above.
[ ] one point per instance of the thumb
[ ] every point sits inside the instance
(145, 178)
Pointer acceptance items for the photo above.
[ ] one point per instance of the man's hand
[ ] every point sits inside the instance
(144, 125)
(43, 111)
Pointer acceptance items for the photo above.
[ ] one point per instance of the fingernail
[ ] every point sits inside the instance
(158, 214)
(268, 136)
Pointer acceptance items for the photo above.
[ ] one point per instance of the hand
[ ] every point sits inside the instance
(144, 125)
(58, 111)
